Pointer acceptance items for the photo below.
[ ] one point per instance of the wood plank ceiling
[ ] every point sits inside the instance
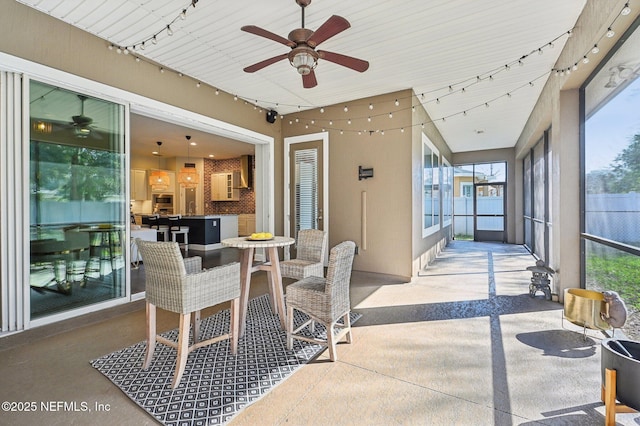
(424, 45)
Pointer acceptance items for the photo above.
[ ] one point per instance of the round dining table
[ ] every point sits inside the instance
(247, 248)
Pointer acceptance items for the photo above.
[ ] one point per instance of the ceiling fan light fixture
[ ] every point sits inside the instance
(82, 132)
(303, 60)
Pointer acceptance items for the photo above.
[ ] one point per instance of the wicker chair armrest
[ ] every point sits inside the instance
(211, 286)
(193, 264)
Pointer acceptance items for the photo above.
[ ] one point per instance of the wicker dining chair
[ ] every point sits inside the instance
(311, 246)
(325, 300)
(182, 286)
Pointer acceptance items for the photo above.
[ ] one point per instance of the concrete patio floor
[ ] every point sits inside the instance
(462, 344)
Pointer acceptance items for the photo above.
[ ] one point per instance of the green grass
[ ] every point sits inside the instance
(463, 237)
(620, 273)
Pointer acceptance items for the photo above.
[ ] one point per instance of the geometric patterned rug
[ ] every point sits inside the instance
(216, 385)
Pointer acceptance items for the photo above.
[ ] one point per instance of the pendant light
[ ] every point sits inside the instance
(159, 179)
(188, 176)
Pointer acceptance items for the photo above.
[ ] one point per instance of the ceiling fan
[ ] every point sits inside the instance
(303, 42)
(81, 122)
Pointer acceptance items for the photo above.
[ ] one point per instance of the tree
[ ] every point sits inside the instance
(625, 171)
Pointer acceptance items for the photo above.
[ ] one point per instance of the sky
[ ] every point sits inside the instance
(611, 129)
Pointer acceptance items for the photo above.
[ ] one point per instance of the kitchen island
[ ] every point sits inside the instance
(205, 231)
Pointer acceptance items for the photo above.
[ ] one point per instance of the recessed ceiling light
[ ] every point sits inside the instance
(193, 144)
(155, 152)
(211, 155)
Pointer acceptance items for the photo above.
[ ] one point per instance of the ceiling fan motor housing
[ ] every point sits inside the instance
(302, 57)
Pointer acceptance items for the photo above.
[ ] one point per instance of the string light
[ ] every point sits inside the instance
(626, 10)
(477, 78)
(594, 50)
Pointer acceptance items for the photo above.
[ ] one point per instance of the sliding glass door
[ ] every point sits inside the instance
(78, 208)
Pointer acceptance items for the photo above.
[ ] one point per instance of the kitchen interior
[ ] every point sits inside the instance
(218, 191)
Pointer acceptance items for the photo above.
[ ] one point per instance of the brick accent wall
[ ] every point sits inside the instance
(247, 203)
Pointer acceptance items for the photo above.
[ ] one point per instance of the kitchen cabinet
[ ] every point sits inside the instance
(139, 185)
(246, 224)
(225, 186)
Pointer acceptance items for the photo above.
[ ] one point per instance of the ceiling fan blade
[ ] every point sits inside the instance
(267, 34)
(309, 80)
(344, 60)
(332, 26)
(258, 66)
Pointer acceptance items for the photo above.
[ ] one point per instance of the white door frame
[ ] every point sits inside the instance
(324, 137)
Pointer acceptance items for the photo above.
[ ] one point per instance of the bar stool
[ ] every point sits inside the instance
(154, 222)
(175, 228)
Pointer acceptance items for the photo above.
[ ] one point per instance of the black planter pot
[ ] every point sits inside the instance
(624, 357)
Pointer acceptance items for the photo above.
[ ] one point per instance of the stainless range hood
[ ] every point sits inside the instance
(246, 171)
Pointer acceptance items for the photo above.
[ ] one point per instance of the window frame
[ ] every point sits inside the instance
(435, 179)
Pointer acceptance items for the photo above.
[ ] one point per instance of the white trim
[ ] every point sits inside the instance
(324, 137)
